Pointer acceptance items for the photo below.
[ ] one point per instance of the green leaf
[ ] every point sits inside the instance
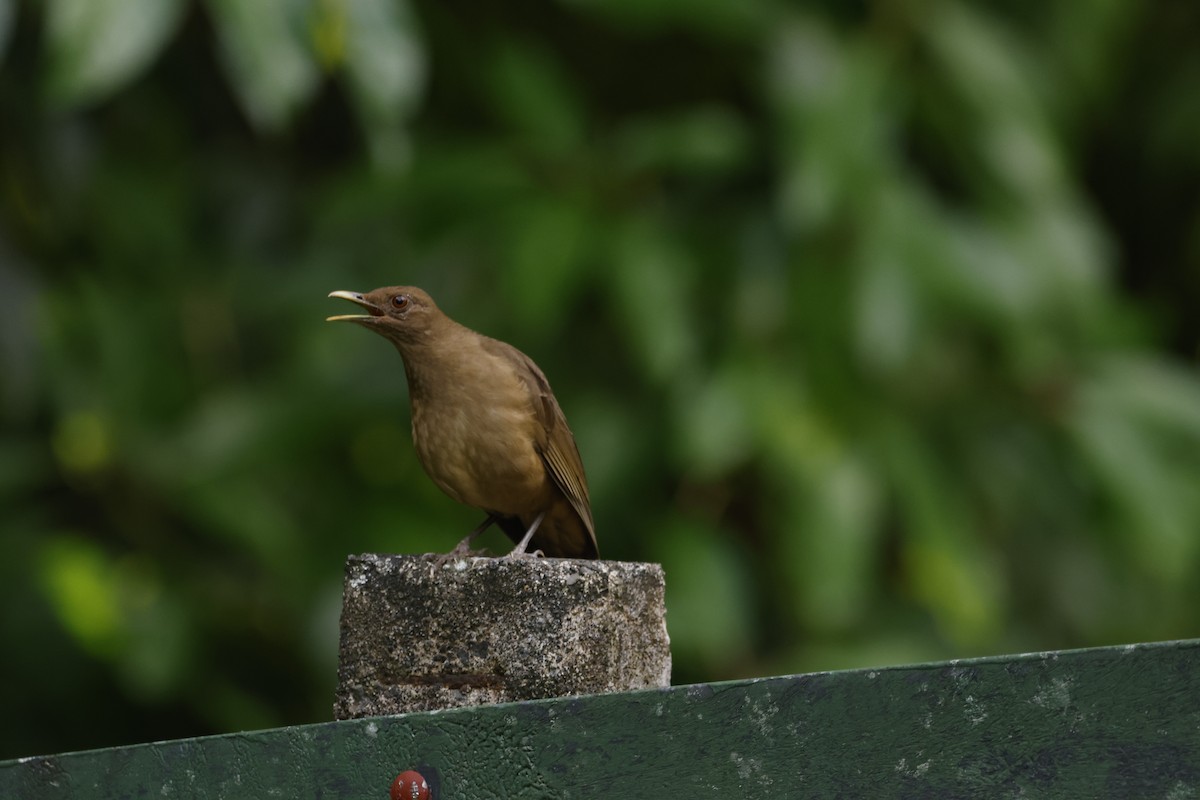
(887, 311)
(1085, 39)
(713, 420)
(995, 79)
(711, 620)
(946, 563)
(386, 66)
(96, 46)
(1157, 392)
(832, 545)
(547, 242)
(706, 140)
(77, 577)
(651, 291)
(1137, 428)
(533, 94)
(268, 59)
(831, 99)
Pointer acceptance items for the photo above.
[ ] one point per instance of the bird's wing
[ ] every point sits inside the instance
(558, 450)
(566, 467)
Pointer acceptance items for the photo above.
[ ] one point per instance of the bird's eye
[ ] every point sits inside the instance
(400, 302)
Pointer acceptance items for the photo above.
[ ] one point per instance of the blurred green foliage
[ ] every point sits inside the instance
(876, 324)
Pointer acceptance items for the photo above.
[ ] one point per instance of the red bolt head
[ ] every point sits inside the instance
(409, 785)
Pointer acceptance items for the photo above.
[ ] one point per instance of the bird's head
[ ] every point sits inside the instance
(401, 314)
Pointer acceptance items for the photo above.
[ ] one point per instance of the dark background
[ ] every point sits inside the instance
(875, 322)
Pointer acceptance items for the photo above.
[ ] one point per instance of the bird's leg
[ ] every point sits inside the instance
(463, 548)
(519, 550)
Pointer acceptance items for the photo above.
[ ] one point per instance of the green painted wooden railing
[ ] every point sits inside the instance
(1118, 722)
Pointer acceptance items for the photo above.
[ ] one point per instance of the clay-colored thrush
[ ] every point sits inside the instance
(485, 424)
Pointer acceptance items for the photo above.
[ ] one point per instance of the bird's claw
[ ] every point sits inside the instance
(515, 556)
(463, 550)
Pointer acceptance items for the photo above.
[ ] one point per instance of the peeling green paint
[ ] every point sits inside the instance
(1109, 722)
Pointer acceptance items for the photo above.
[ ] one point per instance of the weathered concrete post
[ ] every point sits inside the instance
(416, 636)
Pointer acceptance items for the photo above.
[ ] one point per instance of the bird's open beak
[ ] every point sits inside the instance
(355, 297)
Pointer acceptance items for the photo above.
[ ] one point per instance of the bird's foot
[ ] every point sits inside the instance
(517, 556)
(462, 550)
(519, 550)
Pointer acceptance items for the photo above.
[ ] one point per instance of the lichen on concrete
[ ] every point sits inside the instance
(417, 636)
